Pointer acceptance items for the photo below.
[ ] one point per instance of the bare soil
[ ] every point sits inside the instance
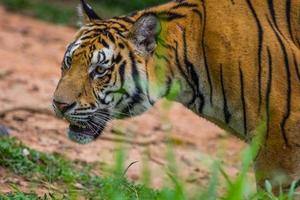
(30, 55)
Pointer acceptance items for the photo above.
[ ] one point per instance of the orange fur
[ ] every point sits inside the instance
(237, 63)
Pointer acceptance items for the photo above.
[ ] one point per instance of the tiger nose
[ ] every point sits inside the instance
(63, 107)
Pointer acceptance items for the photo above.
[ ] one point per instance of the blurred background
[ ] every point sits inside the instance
(33, 38)
(63, 12)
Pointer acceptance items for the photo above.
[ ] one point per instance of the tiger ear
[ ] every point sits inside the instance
(86, 12)
(144, 33)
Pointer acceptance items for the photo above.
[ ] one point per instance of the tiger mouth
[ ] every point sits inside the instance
(84, 135)
(82, 130)
(88, 131)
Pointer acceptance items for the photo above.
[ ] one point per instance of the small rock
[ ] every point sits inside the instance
(25, 152)
(5, 73)
(166, 127)
(34, 88)
(79, 186)
(4, 132)
(163, 127)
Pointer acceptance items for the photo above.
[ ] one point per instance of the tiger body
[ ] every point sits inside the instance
(233, 62)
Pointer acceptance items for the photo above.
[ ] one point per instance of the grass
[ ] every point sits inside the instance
(67, 179)
(75, 179)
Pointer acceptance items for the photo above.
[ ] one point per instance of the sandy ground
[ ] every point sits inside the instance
(30, 55)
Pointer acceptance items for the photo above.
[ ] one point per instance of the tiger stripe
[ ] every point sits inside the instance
(205, 58)
(259, 52)
(268, 91)
(227, 114)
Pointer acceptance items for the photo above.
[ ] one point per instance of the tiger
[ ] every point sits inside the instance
(232, 62)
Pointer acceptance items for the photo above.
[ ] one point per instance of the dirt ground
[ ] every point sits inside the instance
(30, 55)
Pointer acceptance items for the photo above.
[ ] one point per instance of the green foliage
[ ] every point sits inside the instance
(19, 196)
(53, 13)
(62, 12)
(16, 4)
(51, 167)
(129, 6)
(54, 169)
(45, 10)
(212, 190)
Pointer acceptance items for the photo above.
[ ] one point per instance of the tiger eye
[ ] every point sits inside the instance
(100, 70)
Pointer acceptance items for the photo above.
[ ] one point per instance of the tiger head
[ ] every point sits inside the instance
(104, 73)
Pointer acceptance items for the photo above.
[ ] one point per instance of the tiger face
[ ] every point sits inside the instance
(104, 75)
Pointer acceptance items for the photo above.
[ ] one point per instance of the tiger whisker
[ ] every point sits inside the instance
(112, 111)
(91, 127)
(78, 117)
(102, 116)
(94, 124)
(101, 121)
